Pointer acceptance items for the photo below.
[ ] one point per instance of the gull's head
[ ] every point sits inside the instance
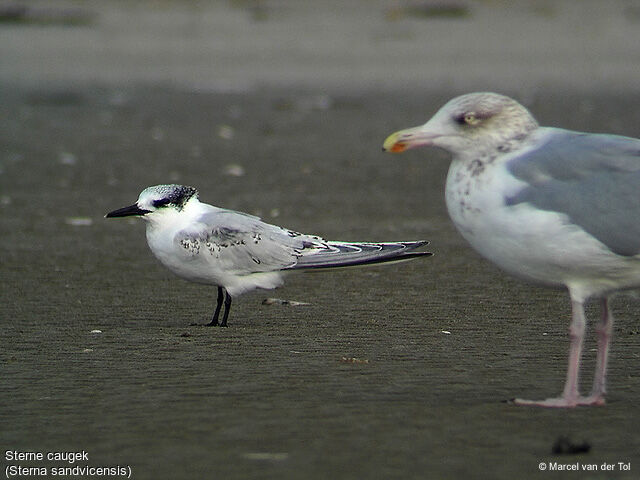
(158, 200)
(472, 121)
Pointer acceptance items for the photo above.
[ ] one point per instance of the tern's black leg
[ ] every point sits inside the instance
(216, 314)
(227, 307)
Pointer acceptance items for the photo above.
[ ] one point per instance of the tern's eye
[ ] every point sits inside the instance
(161, 203)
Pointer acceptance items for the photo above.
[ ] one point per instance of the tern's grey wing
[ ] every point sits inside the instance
(241, 244)
(592, 178)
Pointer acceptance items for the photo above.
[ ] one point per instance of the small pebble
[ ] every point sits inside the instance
(79, 221)
(565, 446)
(157, 134)
(353, 360)
(280, 301)
(266, 456)
(234, 170)
(226, 132)
(67, 158)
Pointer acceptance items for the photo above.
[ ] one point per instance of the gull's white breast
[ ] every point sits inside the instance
(540, 246)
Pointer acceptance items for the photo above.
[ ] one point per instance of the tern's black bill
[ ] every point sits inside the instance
(127, 211)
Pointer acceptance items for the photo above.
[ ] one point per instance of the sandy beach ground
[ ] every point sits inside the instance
(279, 109)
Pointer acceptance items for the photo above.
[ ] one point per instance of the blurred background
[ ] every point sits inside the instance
(279, 109)
(237, 45)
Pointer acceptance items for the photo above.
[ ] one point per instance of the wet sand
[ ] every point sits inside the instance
(176, 401)
(276, 395)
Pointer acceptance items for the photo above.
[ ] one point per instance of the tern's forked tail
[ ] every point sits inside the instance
(345, 254)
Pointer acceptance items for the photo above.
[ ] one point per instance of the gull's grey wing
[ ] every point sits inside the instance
(592, 178)
(242, 244)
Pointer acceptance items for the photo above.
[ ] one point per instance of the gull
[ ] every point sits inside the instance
(238, 252)
(551, 206)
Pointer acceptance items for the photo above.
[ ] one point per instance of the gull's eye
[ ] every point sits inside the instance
(471, 119)
(467, 118)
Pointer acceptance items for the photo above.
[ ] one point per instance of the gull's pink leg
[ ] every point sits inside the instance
(604, 329)
(570, 396)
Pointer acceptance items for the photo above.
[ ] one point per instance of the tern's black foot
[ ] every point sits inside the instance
(223, 297)
(216, 314)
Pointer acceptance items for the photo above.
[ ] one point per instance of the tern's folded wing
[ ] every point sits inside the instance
(242, 244)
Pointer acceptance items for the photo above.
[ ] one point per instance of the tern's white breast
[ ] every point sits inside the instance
(190, 264)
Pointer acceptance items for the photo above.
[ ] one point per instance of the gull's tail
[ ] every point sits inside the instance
(346, 254)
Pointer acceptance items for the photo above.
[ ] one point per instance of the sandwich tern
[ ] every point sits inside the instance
(238, 252)
(552, 206)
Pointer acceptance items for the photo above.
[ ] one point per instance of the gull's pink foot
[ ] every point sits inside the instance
(562, 402)
(592, 401)
(559, 402)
